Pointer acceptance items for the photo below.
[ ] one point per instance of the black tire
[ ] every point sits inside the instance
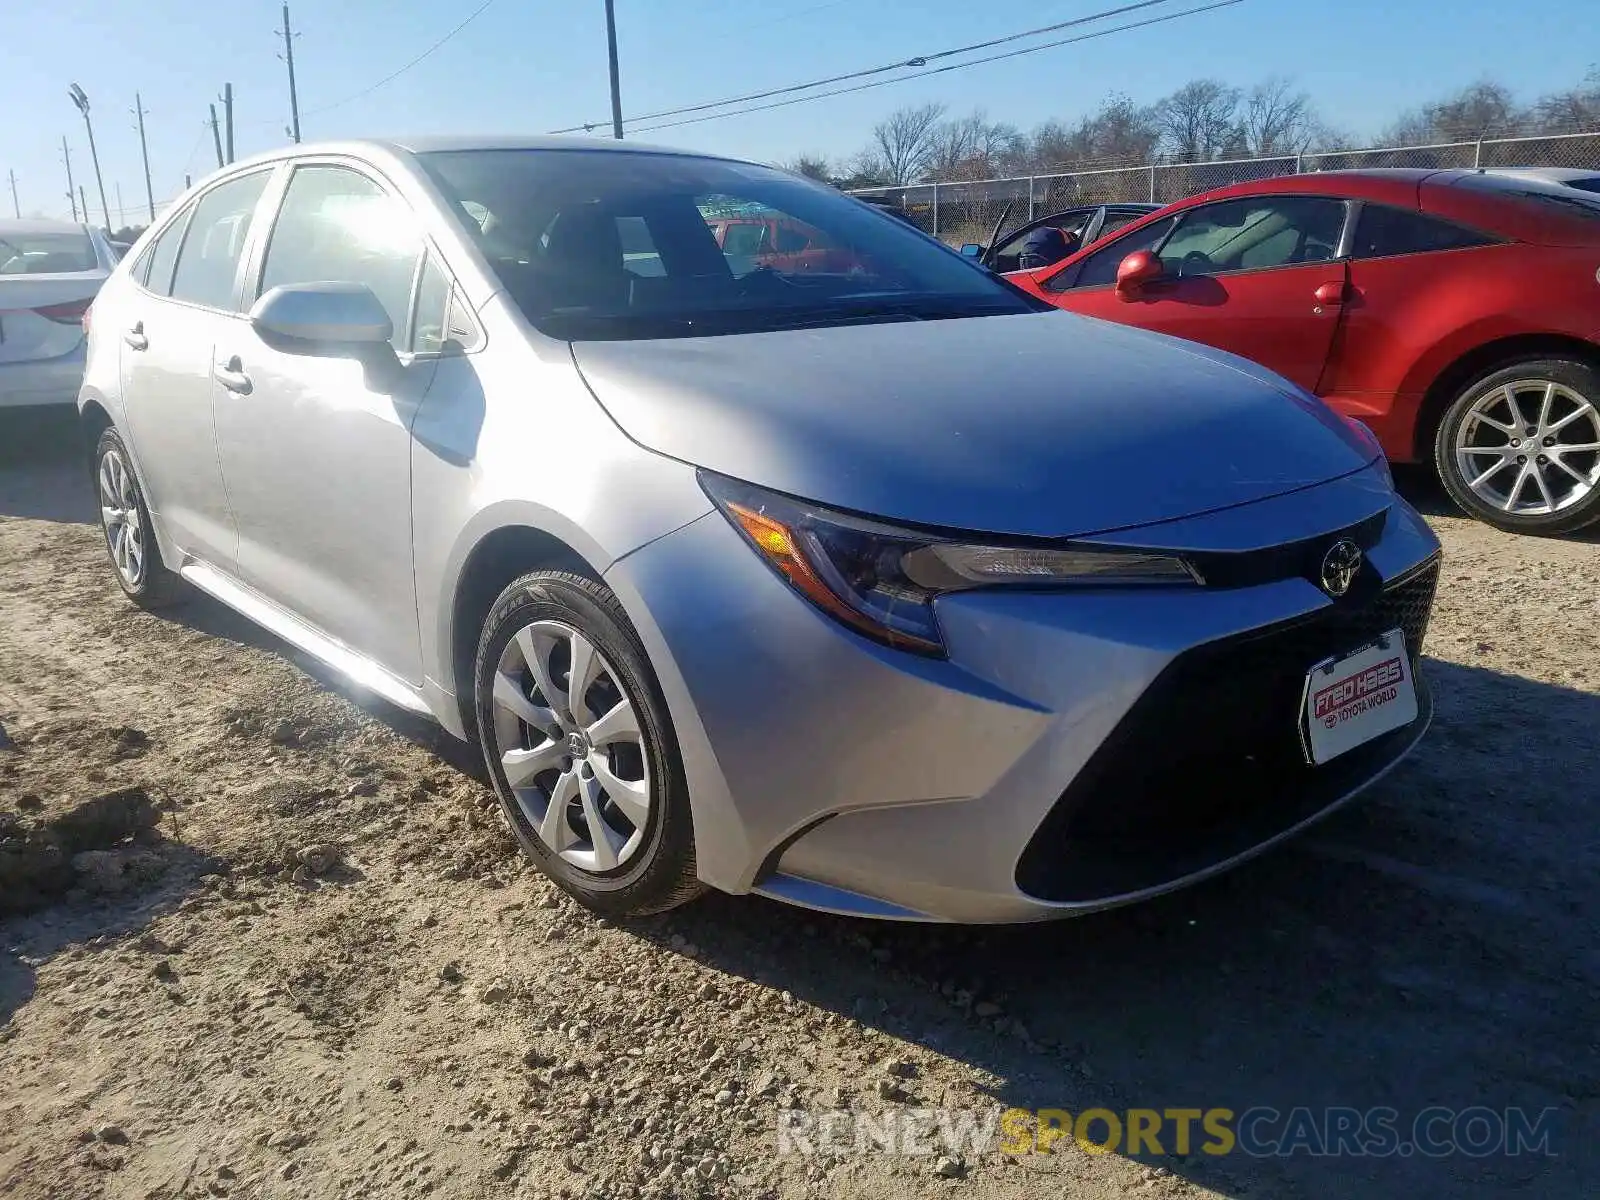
(660, 874)
(1577, 377)
(153, 586)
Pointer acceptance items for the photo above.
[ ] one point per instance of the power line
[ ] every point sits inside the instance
(920, 60)
(861, 87)
(393, 75)
(188, 160)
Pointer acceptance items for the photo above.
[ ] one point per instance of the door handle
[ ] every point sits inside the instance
(1331, 295)
(231, 376)
(135, 337)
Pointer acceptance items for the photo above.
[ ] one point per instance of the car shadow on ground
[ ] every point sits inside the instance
(1431, 945)
(1421, 487)
(44, 474)
(200, 612)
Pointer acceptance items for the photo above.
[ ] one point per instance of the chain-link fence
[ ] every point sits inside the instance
(970, 211)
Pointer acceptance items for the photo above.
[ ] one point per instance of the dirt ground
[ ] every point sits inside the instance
(289, 949)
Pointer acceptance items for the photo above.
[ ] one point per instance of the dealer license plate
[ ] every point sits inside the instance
(1362, 696)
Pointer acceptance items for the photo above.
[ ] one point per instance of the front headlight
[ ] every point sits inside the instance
(882, 580)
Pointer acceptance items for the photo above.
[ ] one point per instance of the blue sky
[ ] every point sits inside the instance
(535, 65)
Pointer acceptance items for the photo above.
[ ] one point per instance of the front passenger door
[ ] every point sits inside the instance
(316, 442)
(1259, 276)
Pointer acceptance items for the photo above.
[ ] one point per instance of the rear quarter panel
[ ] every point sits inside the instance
(1412, 317)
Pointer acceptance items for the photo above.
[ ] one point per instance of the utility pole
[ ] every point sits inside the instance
(149, 192)
(72, 192)
(216, 135)
(16, 205)
(227, 111)
(83, 200)
(616, 86)
(82, 101)
(288, 57)
(121, 212)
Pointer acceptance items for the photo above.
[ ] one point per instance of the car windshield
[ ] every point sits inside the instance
(600, 244)
(46, 253)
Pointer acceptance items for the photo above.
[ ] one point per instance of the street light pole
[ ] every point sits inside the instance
(82, 101)
(616, 86)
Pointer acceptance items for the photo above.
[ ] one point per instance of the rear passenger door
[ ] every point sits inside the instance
(187, 285)
(316, 443)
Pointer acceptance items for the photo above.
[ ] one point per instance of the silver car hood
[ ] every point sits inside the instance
(1045, 424)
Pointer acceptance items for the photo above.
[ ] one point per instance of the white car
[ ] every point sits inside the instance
(1573, 177)
(50, 272)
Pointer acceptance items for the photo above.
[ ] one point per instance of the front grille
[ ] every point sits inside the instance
(1209, 760)
(1302, 558)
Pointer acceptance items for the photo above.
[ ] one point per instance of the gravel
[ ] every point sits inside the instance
(343, 980)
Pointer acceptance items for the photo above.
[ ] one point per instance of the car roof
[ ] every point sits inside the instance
(1552, 174)
(31, 225)
(1393, 185)
(436, 144)
(1456, 194)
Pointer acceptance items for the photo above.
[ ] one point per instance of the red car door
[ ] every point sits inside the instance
(1260, 277)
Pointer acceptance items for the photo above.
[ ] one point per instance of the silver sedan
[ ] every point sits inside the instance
(49, 274)
(836, 569)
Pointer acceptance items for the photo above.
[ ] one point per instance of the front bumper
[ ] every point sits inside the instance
(1078, 750)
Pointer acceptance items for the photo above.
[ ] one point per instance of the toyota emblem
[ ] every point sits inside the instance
(1340, 566)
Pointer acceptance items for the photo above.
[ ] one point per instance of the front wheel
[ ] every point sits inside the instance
(1520, 447)
(125, 520)
(577, 740)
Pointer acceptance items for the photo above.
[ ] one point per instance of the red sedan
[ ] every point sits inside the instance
(1457, 314)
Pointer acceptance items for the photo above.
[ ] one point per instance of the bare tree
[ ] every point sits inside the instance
(1576, 110)
(974, 147)
(1199, 120)
(1278, 119)
(863, 171)
(812, 166)
(1483, 110)
(904, 142)
(1119, 133)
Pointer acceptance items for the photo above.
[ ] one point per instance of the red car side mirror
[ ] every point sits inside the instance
(1137, 270)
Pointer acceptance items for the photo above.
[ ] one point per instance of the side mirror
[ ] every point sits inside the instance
(335, 315)
(972, 250)
(1138, 270)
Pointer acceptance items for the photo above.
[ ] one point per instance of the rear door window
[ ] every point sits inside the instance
(1384, 232)
(154, 270)
(208, 262)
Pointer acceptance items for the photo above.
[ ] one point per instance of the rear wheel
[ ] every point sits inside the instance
(576, 737)
(130, 537)
(1520, 447)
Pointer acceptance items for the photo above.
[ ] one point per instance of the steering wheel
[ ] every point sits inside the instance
(1195, 263)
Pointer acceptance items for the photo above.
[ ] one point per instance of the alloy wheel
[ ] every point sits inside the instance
(1530, 447)
(119, 514)
(568, 738)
